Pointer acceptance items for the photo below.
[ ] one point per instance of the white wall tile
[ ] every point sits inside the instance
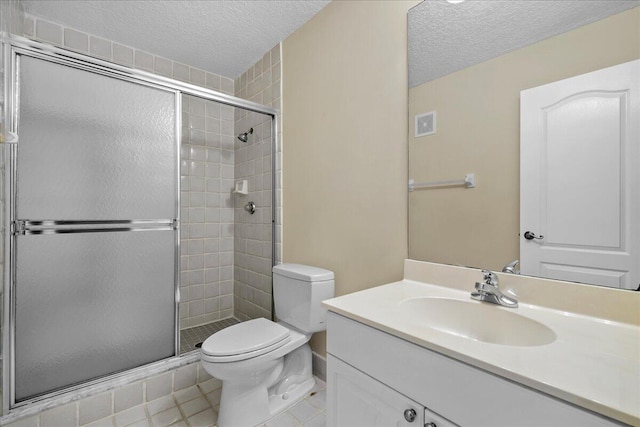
(197, 122)
(49, 31)
(196, 308)
(252, 253)
(212, 81)
(196, 277)
(226, 85)
(95, 408)
(76, 40)
(197, 106)
(143, 60)
(128, 396)
(197, 137)
(180, 72)
(206, 204)
(122, 54)
(275, 54)
(197, 77)
(163, 66)
(25, 422)
(61, 416)
(185, 377)
(159, 386)
(29, 26)
(100, 47)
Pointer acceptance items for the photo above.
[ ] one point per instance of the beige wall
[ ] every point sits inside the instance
(478, 124)
(344, 144)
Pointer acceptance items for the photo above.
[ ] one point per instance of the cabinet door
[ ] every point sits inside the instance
(355, 399)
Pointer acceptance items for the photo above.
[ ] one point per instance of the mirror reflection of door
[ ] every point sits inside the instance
(580, 191)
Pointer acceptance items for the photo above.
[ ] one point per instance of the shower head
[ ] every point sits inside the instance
(244, 136)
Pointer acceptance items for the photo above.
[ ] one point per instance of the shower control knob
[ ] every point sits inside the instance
(250, 207)
(432, 424)
(410, 415)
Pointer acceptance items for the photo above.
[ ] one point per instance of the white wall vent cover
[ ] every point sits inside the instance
(425, 124)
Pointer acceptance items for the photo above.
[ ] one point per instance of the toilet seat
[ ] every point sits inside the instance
(245, 340)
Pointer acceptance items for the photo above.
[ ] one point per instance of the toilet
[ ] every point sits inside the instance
(265, 366)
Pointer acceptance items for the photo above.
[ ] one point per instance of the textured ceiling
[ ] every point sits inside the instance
(223, 37)
(445, 37)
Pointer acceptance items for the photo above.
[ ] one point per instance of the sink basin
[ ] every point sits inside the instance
(477, 321)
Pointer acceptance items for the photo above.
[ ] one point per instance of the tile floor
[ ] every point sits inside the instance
(197, 407)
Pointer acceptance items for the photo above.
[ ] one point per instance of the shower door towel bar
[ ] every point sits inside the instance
(469, 181)
(29, 227)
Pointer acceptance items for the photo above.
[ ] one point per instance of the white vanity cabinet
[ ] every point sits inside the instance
(373, 377)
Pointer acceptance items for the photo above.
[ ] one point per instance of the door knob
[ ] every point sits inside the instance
(530, 236)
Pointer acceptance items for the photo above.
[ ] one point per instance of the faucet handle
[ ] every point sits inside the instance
(490, 278)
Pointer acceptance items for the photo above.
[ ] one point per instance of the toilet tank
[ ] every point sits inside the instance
(298, 291)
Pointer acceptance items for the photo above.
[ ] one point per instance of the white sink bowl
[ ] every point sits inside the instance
(477, 321)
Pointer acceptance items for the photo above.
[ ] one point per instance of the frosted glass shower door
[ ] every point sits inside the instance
(93, 147)
(91, 304)
(95, 226)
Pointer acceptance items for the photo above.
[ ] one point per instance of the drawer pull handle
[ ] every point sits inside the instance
(410, 415)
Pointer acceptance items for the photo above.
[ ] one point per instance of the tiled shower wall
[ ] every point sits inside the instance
(253, 233)
(206, 182)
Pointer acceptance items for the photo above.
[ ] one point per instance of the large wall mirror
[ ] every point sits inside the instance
(471, 63)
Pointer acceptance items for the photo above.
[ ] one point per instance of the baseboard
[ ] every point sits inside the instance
(319, 364)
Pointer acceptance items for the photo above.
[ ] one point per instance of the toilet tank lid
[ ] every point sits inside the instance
(303, 272)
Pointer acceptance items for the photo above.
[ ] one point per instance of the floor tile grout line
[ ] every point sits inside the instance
(184, 418)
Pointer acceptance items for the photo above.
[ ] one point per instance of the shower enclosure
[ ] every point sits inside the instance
(120, 224)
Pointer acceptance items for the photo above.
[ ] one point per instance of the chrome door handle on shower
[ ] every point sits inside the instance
(250, 207)
(530, 236)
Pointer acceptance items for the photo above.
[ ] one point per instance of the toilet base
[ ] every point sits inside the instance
(282, 402)
(286, 383)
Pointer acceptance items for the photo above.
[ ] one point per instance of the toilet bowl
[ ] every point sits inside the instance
(265, 366)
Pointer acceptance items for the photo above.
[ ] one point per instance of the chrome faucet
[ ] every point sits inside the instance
(488, 291)
(513, 267)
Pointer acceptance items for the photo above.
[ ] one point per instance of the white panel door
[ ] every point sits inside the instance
(580, 178)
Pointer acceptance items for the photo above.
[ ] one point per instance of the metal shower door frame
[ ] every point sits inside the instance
(13, 48)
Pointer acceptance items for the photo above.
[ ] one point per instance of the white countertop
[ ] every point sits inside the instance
(593, 362)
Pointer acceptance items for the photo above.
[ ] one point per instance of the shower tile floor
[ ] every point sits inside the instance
(191, 336)
(198, 406)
